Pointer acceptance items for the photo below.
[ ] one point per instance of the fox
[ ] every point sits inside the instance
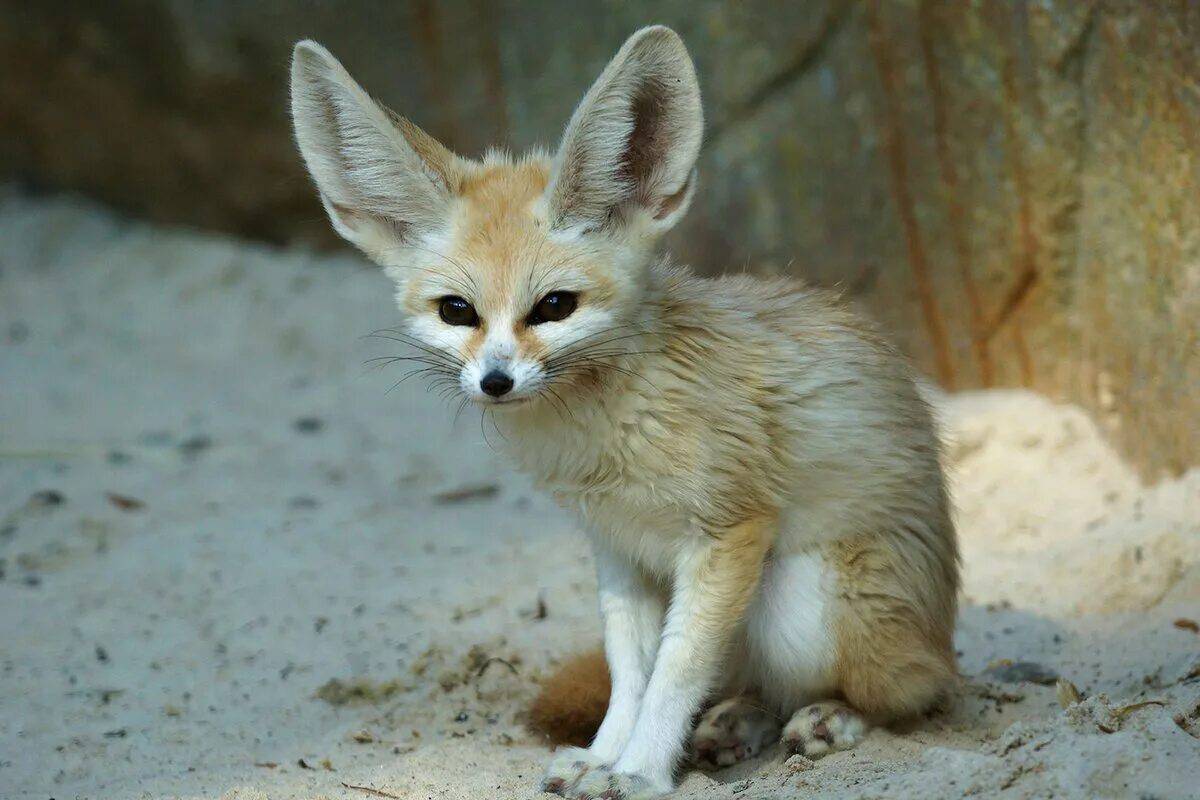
(754, 466)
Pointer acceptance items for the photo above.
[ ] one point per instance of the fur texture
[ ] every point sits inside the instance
(755, 469)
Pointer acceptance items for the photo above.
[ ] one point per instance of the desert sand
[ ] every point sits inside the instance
(237, 563)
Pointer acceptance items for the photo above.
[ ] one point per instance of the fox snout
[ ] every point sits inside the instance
(499, 368)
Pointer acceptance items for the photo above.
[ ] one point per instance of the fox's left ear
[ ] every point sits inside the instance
(629, 151)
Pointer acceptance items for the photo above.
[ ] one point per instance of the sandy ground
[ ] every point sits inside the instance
(209, 510)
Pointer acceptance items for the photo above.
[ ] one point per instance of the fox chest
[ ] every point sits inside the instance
(639, 488)
(649, 533)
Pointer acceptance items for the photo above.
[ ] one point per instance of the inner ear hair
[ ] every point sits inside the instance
(648, 142)
(675, 202)
(436, 160)
(632, 143)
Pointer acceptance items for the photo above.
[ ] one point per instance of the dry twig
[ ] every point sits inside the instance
(370, 791)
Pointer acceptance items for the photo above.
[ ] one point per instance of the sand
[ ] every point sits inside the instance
(209, 509)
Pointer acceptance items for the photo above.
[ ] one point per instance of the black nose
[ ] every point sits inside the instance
(496, 383)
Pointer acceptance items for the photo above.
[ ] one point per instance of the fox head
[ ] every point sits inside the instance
(517, 276)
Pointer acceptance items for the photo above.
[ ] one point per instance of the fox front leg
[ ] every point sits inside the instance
(632, 607)
(714, 581)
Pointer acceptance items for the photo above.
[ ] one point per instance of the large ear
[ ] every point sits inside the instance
(382, 179)
(631, 145)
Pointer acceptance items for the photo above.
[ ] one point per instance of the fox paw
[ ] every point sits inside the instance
(822, 728)
(732, 731)
(568, 768)
(604, 784)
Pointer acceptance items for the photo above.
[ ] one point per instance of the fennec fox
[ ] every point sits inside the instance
(753, 465)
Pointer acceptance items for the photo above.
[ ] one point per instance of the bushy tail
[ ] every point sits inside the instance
(572, 701)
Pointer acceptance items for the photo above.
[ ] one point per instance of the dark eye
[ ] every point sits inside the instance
(553, 307)
(456, 311)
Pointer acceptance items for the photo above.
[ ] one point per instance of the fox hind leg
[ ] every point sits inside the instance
(733, 730)
(893, 618)
(822, 728)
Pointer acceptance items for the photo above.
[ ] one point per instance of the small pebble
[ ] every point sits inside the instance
(47, 498)
(125, 502)
(1022, 672)
(798, 763)
(195, 445)
(481, 491)
(309, 424)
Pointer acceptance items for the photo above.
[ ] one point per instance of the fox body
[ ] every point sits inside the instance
(753, 465)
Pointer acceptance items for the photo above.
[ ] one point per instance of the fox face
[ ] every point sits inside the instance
(521, 279)
(518, 306)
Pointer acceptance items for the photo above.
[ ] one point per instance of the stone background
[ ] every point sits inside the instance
(1009, 186)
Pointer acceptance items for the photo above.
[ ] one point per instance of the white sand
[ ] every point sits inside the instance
(174, 650)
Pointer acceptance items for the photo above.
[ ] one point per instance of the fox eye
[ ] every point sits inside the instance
(455, 311)
(553, 307)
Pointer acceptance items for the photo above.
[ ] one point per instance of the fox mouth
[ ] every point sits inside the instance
(491, 402)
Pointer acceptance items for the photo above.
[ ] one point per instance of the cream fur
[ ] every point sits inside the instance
(754, 465)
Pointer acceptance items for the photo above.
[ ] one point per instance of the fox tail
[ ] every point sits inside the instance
(572, 701)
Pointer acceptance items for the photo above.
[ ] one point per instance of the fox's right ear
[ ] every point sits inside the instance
(381, 179)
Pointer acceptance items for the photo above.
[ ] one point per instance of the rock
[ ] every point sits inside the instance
(798, 763)
(1022, 672)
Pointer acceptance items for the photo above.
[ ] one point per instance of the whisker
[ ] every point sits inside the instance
(448, 357)
(582, 370)
(582, 344)
(414, 373)
(483, 430)
(600, 332)
(590, 353)
(598, 356)
(385, 361)
(447, 392)
(459, 410)
(542, 394)
(581, 365)
(496, 427)
(400, 336)
(563, 403)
